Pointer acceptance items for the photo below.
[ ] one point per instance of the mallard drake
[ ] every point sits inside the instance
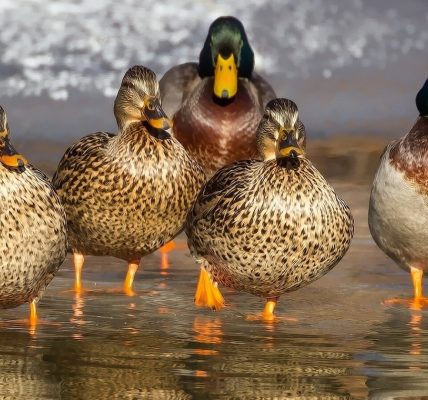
(126, 195)
(33, 241)
(217, 104)
(268, 226)
(398, 209)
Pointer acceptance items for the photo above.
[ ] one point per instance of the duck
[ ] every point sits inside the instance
(218, 102)
(400, 187)
(270, 225)
(127, 194)
(33, 238)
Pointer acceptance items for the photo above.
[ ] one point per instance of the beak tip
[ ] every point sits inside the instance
(224, 94)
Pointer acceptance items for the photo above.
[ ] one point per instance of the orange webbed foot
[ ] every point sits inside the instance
(207, 292)
(413, 303)
(418, 301)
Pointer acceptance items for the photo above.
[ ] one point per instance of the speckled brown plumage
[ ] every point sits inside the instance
(266, 229)
(410, 154)
(126, 195)
(272, 226)
(33, 241)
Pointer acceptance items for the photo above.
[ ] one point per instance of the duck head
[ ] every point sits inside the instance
(280, 134)
(422, 100)
(9, 157)
(138, 100)
(226, 55)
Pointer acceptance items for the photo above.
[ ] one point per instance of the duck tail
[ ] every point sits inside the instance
(207, 292)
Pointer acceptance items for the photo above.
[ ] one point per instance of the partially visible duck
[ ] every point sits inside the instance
(398, 209)
(217, 103)
(268, 226)
(127, 194)
(33, 241)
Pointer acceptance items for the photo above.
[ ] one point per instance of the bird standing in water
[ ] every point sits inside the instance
(268, 226)
(398, 209)
(126, 195)
(33, 241)
(217, 103)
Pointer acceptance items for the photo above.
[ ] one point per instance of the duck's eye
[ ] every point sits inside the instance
(2, 143)
(150, 106)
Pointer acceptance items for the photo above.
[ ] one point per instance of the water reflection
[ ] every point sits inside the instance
(24, 375)
(130, 365)
(398, 359)
(157, 345)
(234, 358)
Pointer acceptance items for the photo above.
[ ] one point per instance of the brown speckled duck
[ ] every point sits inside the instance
(128, 194)
(268, 226)
(33, 242)
(398, 210)
(217, 104)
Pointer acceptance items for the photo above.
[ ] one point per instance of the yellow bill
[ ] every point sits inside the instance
(225, 77)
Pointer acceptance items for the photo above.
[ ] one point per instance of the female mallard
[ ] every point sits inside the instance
(126, 195)
(33, 241)
(398, 210)
(268, 227)
(217, 104)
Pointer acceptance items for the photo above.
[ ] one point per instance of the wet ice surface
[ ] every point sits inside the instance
(344, 343)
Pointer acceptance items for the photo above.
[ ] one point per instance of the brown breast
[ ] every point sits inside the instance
(218, 134)
(410, 154)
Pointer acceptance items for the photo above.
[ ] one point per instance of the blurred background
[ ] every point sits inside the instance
(353, 67)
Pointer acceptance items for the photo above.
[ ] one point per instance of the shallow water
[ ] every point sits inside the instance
(336, 339)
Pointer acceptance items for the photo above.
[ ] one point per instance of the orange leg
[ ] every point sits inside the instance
(268, 313)
(129, 280)
(417, 282)
(269, 309)
(418, 301)
(164, 250)
(33, 314)
(207, 292)
(78, 260)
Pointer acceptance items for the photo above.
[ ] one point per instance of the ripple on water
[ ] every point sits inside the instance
(344, 343)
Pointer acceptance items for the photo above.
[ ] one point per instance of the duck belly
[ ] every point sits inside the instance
(271, 250)
(33, 245)
(398, 217)
(126, 231)
(133, 217)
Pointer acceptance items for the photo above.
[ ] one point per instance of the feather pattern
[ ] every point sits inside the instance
(33, 241)
(126, 195)
(264, 228)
